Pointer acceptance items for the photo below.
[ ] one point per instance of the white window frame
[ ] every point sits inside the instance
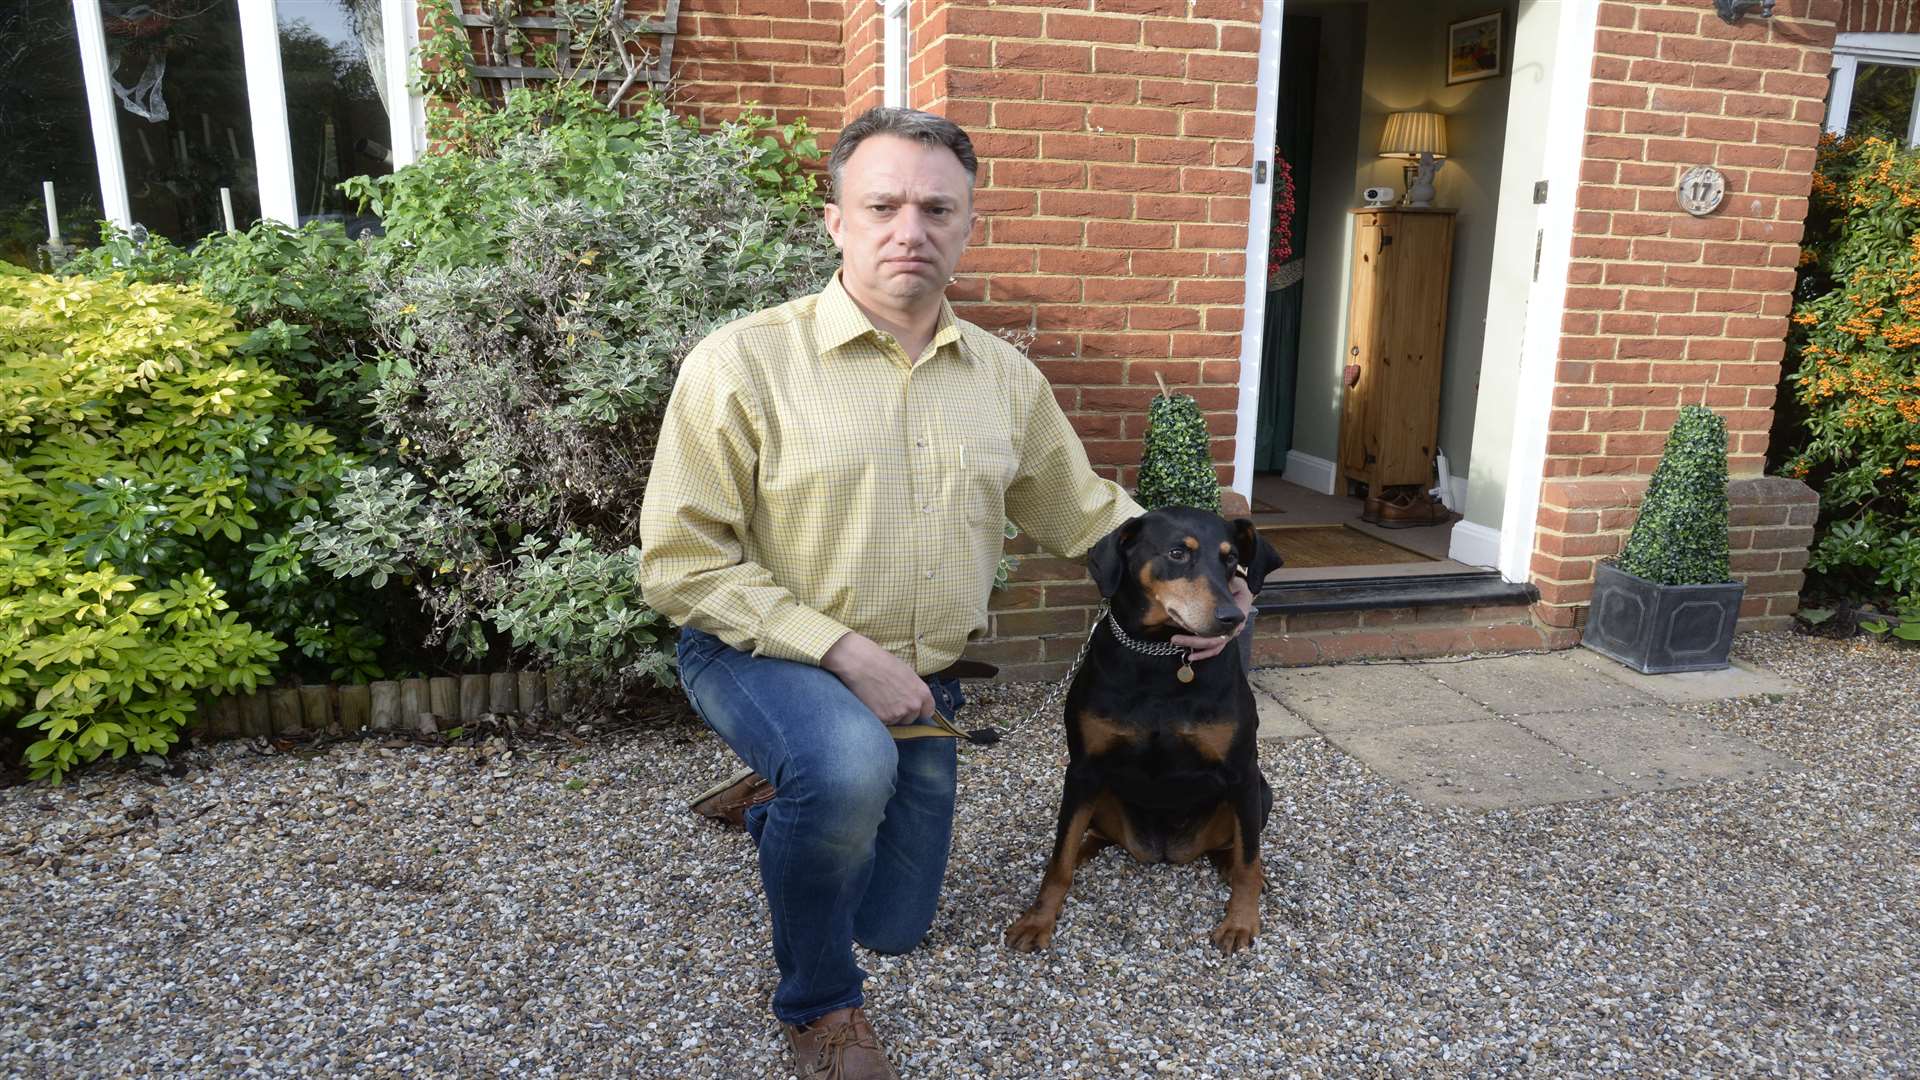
(894, 54)
(266, 103)
(1896, 50)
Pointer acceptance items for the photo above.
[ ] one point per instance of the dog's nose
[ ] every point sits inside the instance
(1229, 614)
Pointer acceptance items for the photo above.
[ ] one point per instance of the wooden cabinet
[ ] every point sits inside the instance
(1396, 340)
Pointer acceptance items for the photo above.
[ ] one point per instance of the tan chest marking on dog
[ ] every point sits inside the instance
(1211, 741)
(1099, 734)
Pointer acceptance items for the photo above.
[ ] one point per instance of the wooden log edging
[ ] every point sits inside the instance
(416, 705)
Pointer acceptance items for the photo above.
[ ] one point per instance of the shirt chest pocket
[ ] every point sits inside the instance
(982, 472)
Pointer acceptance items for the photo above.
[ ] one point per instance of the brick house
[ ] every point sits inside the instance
(1128, 172)
(1125, 194)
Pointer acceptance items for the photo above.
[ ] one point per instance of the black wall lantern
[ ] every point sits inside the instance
(1731, 10)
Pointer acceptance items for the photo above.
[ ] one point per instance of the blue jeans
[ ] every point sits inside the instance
(853, 847)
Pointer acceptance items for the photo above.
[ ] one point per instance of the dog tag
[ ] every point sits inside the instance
(1185, 674)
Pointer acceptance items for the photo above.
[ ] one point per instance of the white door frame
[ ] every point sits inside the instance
(1546, 300)
(1266, 110)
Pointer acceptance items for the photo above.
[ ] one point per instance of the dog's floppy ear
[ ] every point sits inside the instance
(1107, 562)
(1258, 556)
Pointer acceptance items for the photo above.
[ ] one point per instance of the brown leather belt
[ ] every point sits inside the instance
(966, 669)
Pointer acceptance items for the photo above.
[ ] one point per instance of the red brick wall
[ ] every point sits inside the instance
(1115, 140)
(1665, 309)
(1880, 17)
(785, 55)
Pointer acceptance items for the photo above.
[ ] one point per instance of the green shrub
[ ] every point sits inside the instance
(301, 287)
(529, 332)
(301, 293)
(143, 445)
(1176, 467)
(1857, 389)
(1680, 537)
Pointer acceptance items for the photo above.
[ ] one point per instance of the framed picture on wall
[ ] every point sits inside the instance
(1476, 48)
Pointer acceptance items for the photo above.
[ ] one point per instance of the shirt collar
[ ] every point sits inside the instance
(837, 320)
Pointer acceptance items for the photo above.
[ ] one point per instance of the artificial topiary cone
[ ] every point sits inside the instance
(1681, 535)
(1176, 467)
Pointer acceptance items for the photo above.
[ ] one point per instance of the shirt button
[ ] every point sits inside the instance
(929, 575)
(920, 443)
(927, 509)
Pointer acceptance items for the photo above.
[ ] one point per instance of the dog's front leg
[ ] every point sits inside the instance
(1034, 929)
(1245, 877)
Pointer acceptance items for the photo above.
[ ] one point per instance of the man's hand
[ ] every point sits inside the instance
(1204, 648)
(879, 679)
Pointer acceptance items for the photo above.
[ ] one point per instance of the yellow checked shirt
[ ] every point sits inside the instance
(811, 480)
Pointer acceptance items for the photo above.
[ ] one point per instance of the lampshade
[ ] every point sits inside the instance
(1410, 134)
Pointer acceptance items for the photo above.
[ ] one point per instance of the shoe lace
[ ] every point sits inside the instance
(830, 1054)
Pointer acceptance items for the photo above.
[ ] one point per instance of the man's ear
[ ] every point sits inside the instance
(1259, 557)
(1107, 562)
(831, 214)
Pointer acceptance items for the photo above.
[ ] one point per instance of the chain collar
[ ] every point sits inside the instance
(1150, 648)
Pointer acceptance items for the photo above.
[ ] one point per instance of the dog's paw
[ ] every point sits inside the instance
(1030, 933)
(1233, 934)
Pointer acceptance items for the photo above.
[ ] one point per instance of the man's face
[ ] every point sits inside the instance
(900, 221)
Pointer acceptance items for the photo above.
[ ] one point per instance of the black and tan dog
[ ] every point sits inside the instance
(1161, 766)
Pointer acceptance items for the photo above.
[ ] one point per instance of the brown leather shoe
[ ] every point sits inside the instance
(839, 1046)
(727, 801)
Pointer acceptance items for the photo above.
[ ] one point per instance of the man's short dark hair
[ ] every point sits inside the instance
(921, 127)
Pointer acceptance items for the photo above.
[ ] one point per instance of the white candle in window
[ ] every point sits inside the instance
(53, 216)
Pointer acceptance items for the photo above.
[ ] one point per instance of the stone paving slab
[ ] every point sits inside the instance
(1656, 748)
(1541, 683)
(1691, 687)
(1368, 697)
(1278, 722)
(1476, 765)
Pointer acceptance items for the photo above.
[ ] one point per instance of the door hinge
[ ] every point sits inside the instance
(1259, 172)
(1539, 193)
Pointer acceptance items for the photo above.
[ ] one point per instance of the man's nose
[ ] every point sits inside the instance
(910, 225)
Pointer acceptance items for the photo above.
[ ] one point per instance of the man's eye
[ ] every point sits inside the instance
(1178, 554)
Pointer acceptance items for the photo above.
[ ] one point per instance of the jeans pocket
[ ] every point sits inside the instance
(693, 652)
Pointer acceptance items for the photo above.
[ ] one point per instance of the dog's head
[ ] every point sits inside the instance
(1167, 572)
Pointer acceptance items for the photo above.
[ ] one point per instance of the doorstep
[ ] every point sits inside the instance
(1306, 623)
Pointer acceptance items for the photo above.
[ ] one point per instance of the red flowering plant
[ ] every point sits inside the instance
(1280, 247)
(1857, 335)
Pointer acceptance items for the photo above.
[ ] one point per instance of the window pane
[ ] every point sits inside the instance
(1882, 101)
(331, 53)
(44, 128)
(180, 94)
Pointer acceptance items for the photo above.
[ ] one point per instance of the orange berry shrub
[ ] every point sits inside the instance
(1856, 332)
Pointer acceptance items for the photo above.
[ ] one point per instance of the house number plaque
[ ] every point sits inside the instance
(1701, 190)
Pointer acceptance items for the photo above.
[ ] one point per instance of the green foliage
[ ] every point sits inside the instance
(1176, 468)
(555, 143)
(143, 448)
(300, 287)
(537, 286)
(301, 295)
(1856, 394)
(1680, 537)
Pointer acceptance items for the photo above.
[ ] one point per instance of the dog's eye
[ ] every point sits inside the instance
(1178, 554)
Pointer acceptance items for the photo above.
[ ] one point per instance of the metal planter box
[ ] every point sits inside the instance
(1655, 629)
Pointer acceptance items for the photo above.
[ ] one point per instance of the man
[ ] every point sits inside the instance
(823, 520)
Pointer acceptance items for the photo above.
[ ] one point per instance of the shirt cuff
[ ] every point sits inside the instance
(799, 633)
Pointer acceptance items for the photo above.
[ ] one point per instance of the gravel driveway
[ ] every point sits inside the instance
(370, 910)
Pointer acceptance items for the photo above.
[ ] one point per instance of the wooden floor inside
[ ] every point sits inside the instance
(1321, 537)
